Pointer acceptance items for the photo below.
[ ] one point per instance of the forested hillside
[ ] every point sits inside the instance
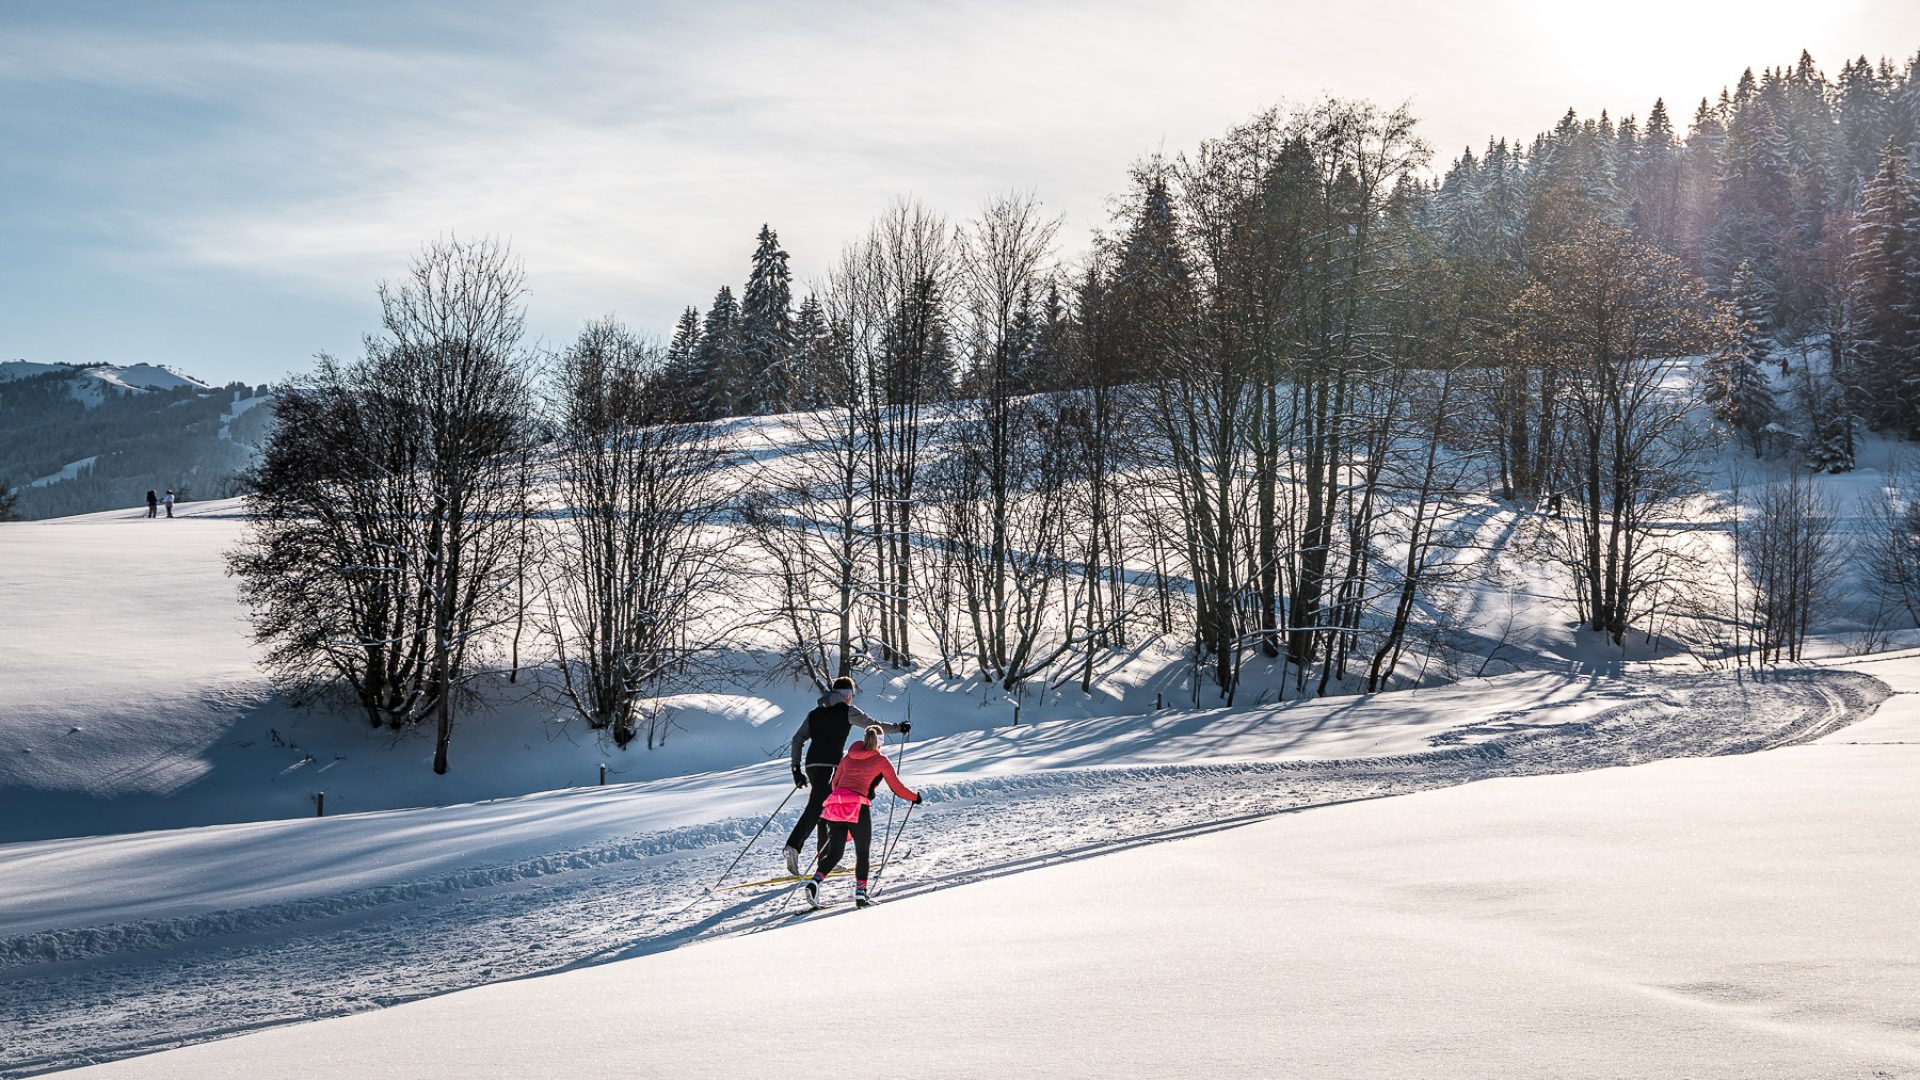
(1791, 193)
(73, 441)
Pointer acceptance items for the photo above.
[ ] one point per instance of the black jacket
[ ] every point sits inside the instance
(825, 731)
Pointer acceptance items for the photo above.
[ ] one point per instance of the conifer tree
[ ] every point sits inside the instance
(818, 382)
(1737, 385)
(1656, 181)
(1151, 291)
(1883, 296)
(718, 359)
(681, 372)
(767, 377)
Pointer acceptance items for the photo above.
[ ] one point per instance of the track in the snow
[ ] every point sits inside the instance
(104, 1000)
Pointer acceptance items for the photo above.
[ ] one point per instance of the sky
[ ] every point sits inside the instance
(220, 186)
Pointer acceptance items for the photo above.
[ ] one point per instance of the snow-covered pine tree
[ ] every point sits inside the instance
(681, 372)
(1699, 208)
(1655, 185)
(818, 381)
(1829, 445)
(718, 359)
(1756, 197)
(1883, 296)
(1862, 108)
(768, 379)
(1737, 383)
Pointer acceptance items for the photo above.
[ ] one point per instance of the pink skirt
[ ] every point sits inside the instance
(843, 805)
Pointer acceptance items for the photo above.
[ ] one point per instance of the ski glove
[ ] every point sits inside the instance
(906, 726)
(918, 799)
(799, 778)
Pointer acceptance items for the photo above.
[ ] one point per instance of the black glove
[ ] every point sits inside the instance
(918, 799)
(799, 778)
(906, 726)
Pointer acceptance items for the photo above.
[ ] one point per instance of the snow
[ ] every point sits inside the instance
(132, 634)
(1719, 917)
(143, 377)
(121, 944)
(70, 471)
(240, 407)
(27, 369)
(90, 385)
(1447, 881)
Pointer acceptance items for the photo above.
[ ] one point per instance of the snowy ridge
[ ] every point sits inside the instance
(135, 377)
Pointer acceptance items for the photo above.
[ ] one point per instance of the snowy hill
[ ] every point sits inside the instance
(1647, 922)
(86, 380)
(1617, 922)
(164, 878)
(80, 439)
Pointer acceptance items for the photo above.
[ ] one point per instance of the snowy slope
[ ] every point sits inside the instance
(129, 699)
(68, 471)
(143, 377)
(88, 379)
(135, 702)
(1725, 917)
(129, 703)
(122, 944)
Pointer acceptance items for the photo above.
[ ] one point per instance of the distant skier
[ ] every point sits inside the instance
(824, 732)
(169, 501)
(153, 504)
(849, 812)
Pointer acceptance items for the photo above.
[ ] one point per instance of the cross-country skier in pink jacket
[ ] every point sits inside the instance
(849, 812)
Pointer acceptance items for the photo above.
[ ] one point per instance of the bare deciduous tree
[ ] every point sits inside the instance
(1788, 554)
(637, 561)
(392, 494)
(1617, 318)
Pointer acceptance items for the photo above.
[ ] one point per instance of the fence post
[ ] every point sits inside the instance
(319, 804)
(603, 774)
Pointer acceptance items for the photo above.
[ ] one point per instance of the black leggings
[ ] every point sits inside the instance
(837, 833)
(819, 786)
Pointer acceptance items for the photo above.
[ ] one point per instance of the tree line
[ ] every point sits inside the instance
(1262, 416)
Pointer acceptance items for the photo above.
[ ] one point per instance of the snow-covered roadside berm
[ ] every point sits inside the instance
(115, 946)
(1733, 916)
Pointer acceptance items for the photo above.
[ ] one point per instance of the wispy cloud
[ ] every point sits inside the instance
(630, 151)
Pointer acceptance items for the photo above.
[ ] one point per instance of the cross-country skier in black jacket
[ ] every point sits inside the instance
(824, 734)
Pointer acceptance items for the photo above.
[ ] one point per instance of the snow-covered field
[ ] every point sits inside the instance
(1520, 904)
(1732, 916)
(115, 945)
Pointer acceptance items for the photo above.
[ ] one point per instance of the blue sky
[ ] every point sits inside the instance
(219, 186)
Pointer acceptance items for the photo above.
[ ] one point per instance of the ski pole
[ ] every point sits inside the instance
(756, 837)
(901, 754)
(888, 853)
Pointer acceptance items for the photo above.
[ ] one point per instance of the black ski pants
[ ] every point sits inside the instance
(819, 786)
(837, 833)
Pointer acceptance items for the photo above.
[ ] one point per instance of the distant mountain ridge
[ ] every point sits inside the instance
(90, 381)
(78, 438)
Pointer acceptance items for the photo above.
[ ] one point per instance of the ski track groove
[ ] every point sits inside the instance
(84, 995)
